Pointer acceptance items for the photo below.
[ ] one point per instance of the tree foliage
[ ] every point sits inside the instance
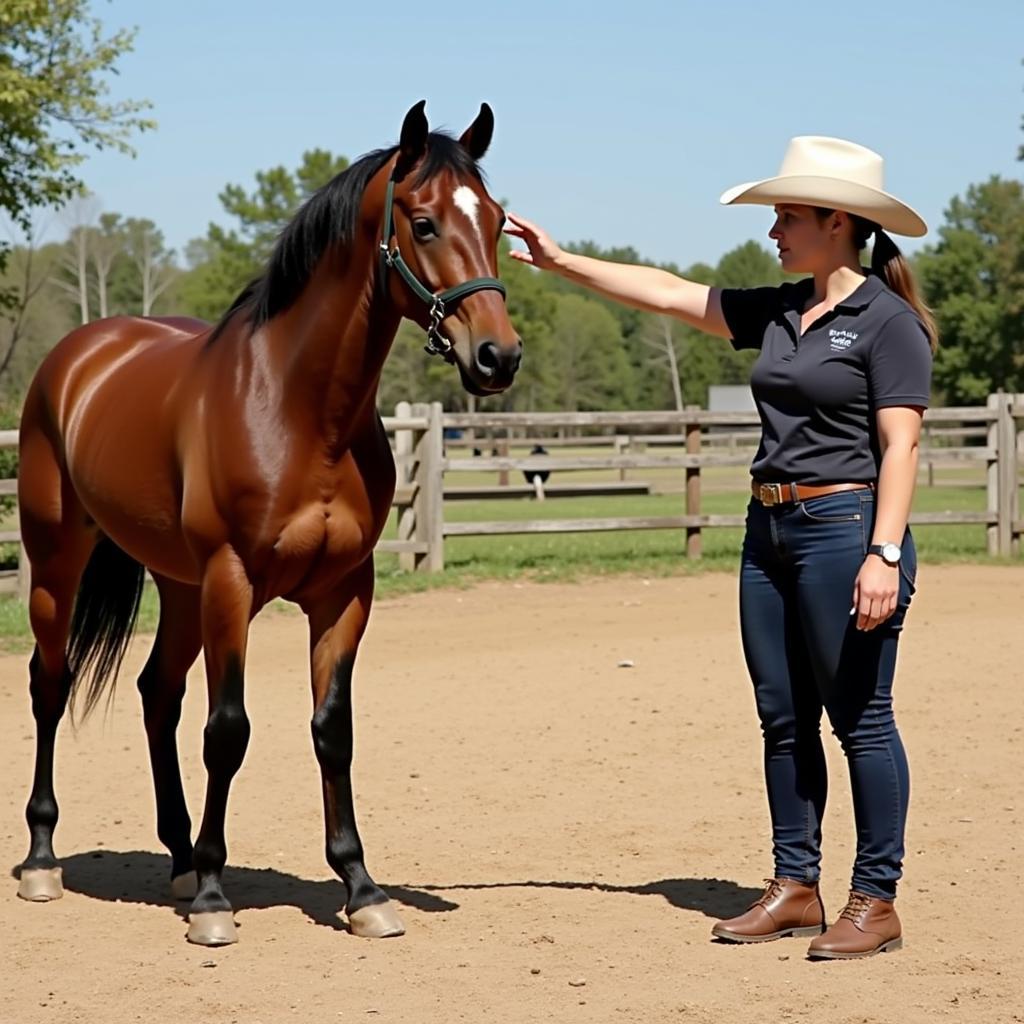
(54, 103)
(974, 281)
(228, 258)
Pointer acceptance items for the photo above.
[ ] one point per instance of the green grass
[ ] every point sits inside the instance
(564, 557)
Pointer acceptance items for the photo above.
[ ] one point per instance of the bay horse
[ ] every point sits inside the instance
(241, 463)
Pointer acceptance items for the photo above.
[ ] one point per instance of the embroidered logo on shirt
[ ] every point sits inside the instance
(841, 340)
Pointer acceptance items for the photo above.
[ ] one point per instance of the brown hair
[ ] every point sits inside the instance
(892, 267)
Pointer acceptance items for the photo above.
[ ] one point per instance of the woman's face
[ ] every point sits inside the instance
(806, 243)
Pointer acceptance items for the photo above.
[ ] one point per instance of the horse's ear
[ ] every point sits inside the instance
(477, 137)
(413, 141)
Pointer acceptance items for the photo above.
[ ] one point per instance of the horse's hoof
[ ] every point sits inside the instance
(40, 885)
(212, 928)
(377, 921)
(185, 887)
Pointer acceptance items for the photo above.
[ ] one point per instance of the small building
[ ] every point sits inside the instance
(730, 398)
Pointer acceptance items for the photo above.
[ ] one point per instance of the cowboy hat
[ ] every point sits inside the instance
(819, 171)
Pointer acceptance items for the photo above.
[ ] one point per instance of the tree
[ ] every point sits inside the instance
(152, 261)
(106, 244)
(974, 281)
(31, 275)
(589, 367)
(660, 336)
(228, 258)
(54, 59)
(80, 215)
(749, 265)
(36, 322)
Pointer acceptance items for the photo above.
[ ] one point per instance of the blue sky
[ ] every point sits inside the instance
(618, 122)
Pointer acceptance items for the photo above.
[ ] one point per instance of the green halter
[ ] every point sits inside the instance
(442, 303)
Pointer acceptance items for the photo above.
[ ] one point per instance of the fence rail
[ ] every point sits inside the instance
(709, 439)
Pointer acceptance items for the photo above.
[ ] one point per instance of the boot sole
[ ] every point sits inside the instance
(785, 933)
(827, 954)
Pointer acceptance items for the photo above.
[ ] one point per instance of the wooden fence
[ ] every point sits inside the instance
(986, 436)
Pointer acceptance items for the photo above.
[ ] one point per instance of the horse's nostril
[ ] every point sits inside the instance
(488, 358)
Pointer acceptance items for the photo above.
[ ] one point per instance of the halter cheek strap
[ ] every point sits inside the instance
(441, 304)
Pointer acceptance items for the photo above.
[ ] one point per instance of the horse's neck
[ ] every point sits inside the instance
(333, 343)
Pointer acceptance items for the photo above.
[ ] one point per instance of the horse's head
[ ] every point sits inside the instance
(440, 242)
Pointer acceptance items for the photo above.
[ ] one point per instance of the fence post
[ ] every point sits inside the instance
(1007, 472)
(622, 446)
(693, 439)
(429, 500)
(1014, 476)
(502, 449)
(992, 476)
(405, 447)
(1002, 474)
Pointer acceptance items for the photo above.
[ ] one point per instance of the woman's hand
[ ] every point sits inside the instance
(875, 592)
(542, 252)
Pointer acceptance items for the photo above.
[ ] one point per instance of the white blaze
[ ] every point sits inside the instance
(469, 203)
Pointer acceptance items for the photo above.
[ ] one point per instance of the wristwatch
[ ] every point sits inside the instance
(888, 552)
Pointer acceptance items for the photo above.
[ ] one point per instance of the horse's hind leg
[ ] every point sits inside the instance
(58, 542)
(162, 686)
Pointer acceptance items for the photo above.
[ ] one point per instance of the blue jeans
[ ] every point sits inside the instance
(804, 653)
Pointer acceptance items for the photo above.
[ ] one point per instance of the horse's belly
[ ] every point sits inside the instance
(142, 527)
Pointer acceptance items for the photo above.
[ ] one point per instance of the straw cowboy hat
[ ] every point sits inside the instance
(819, 171)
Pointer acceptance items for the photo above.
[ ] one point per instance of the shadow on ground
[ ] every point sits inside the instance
(140, 876)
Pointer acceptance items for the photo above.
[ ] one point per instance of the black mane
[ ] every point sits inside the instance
(329, 217)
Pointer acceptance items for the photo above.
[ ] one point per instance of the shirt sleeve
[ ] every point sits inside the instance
(747, 312)
(900, 363)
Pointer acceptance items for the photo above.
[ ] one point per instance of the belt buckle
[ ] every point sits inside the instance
(769, 494)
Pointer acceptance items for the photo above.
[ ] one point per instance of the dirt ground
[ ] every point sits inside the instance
(559, 832)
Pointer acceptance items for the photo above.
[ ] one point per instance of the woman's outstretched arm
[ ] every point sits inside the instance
(656, 291)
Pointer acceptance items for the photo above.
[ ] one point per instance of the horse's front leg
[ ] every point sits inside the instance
(225, 610)
(336, 625)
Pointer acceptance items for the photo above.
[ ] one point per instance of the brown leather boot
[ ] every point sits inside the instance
(786, 907)
(867, 925)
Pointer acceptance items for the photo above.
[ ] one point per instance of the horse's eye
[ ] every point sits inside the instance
(423, 228)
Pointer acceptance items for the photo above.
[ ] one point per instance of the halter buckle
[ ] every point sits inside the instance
(437, 344)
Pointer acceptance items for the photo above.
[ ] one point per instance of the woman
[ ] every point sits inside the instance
(828, 564)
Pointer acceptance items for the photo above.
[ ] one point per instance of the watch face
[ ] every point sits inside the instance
(891, 552)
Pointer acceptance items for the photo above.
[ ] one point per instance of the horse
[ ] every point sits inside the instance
(244, 462)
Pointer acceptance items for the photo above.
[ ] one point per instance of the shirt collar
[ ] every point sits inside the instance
(863, 295)
(860, 298)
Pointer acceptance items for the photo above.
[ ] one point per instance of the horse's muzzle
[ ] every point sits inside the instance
(495, 366)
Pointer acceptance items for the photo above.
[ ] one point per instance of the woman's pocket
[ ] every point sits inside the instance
(841, 507)
(908, 561)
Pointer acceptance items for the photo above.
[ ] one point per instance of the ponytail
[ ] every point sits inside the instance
(892, 267)
(888, 263)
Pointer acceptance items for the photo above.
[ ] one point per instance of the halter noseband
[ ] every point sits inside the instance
(441, 304)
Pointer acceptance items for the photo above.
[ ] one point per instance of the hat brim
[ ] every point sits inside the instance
(836, 194)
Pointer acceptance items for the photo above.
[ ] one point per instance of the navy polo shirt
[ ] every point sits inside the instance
(817, 394)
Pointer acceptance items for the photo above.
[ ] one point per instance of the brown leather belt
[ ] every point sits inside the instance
(790, 494)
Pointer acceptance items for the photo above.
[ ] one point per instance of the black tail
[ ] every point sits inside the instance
(105, 612)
